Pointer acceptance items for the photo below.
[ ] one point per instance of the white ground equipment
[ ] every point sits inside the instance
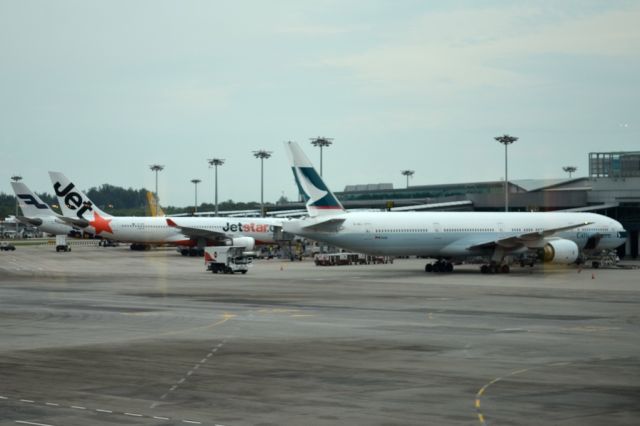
(61, 243)
(227, 259)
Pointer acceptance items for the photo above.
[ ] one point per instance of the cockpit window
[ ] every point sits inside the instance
(623, 234)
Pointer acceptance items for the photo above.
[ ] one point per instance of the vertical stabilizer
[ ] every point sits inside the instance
(30, 204)
(154, 208)
(73, 202)
(320, 199)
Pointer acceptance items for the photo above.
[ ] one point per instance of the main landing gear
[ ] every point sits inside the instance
(439, 266)
(192, 251)
(494, 268)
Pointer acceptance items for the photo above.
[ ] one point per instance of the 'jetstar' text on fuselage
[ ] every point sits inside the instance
(247, 227)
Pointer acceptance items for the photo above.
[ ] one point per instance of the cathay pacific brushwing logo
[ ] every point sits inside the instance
(305, 176)
(315, 189)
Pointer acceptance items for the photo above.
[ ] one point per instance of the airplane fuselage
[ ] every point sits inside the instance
(155, 230)
(450, 234)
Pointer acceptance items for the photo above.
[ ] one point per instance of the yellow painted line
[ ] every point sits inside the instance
(519, 371)
(477, 403)
(481, 418)
(300, 315)
(481, 391)
(226, 317)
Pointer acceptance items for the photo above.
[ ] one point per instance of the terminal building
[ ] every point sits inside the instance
(612, 188)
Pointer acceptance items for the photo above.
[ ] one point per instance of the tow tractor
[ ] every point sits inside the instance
(227, 259)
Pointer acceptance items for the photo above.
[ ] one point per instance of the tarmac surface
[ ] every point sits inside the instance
(108, 336)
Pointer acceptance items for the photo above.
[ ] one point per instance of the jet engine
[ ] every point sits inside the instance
(247, 242)
(560, 252)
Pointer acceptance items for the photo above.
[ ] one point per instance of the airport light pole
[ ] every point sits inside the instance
(262, 155)
(506, 140)
(215, 162)
(408, 174)
(16, 178)
(195, 182)
(570, 170)
(321, 142)
(156, 168)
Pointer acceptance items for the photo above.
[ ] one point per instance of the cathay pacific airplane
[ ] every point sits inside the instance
(448, 236)
(37, 213)
(194, 233)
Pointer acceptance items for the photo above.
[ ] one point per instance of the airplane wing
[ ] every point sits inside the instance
(327, 225)
(527, 239)
(198, 232)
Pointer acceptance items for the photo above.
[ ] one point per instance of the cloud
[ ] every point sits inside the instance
(466, 49)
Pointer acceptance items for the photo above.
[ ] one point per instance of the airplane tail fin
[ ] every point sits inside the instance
(320, 200)
(73, 202)
(30, 204)
(154, 208)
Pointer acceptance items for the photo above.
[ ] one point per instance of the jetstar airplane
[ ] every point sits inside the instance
(193, 233)
(37, 213)
(449, 236)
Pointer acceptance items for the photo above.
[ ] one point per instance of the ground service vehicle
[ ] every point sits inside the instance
(61, 243)
(5, 246)
(227, 259)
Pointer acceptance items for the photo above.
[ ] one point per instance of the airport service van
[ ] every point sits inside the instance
(227, 259)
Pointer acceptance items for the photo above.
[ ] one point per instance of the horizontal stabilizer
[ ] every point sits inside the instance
(81, 223)
(327, 225)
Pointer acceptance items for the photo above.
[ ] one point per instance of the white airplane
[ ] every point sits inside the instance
(193, 233)
(448, 236)
(37, 213)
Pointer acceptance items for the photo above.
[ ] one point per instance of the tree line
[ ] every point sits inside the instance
(119, 201)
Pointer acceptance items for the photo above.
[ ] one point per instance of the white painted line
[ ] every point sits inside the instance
(195, 367)
(163, 396)
(209, 354)
(132, 414)
(173, 388)
(3, 397)
(161, 418)
(190, 372)
(77, 407)
(27, 400)
(192, 422)
(99, 410)
(214, 350)
(52, 404)
(220, 345)
(181, 381)
(203, 360)
(31, 423)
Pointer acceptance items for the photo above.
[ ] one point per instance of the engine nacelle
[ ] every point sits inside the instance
(561, 252)
(247, 242)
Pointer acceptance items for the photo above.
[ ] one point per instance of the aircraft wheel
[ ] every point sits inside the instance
(428, 267)
(505, 269)
(244, 272)
(448, 267)
(595, 264)
(484, 269)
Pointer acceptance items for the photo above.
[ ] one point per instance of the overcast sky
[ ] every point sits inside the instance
(101, 90)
